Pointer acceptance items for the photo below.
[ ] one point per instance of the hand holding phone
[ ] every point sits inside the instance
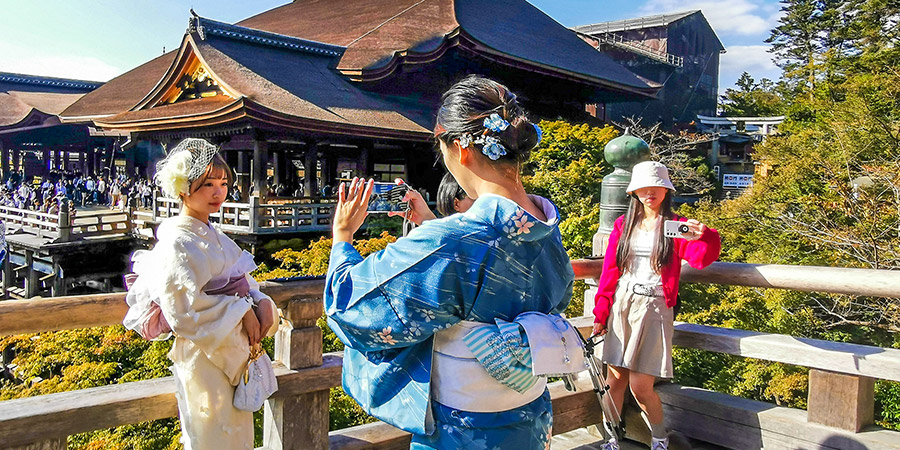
(690, 229)
(387, 197)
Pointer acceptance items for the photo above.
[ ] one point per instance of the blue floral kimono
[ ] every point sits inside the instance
(493, 262)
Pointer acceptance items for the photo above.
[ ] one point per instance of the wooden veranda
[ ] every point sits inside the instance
(841, 389)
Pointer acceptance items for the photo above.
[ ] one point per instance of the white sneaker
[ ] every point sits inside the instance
(658, 444)
(611, 444)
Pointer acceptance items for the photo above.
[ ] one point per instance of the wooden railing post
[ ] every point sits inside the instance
(841, 401)
(155, 205)
(64, 224)
(129, 211)
(300, 421)
(254, 213)
(30, 275)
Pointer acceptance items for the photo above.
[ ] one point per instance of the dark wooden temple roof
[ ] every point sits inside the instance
(29, 100)
(274, 79)
(120, 93)
(381, 34)
(300, 65)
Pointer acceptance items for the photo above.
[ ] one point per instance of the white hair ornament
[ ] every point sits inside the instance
(183, 165)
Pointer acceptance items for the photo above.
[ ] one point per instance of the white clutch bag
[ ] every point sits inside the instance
(257, 384)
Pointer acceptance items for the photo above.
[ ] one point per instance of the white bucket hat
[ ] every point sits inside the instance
(649, 174)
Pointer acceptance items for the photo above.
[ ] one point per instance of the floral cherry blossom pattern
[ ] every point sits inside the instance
(518, 224)
(385, 336)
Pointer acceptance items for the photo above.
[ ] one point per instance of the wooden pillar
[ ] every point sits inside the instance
(16, 160)
(841, 401)
(30, 275)
(310, 162)
(57, 159)
(365, 161)
(260, 163)
(81, 162)
(95, 162)
(277, 167)
(243, 173)
(329, 169)
(47, 162)
(4, 164)
(299, 422)
(58, 288)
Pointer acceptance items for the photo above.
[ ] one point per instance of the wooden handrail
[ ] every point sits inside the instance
(22, 420)
(835, 280)
(83, 311)
(839, 357)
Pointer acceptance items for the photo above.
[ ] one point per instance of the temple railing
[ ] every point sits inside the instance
(253, 217)
(65, 226)
(840, 392)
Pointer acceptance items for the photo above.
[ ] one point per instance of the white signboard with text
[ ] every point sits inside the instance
(734, 180)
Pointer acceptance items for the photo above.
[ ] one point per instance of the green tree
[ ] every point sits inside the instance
(831, 197)
(810, 37)
(752, 99)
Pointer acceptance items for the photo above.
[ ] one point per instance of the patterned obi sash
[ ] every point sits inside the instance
(461, 381)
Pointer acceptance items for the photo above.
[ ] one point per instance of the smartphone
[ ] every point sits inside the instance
(387, 197)
(675, 229)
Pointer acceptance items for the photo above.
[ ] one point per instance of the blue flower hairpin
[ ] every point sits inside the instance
(539, 132)
(495, 123)
(491, 147)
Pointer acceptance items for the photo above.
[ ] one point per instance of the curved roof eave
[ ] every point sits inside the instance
(650, 90)
(245, 108)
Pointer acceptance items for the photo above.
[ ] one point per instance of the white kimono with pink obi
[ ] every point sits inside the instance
(211, 347)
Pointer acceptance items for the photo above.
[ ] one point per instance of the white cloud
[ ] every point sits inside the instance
(754, 59)
(735, 17)
(21, 60)
(747, 58)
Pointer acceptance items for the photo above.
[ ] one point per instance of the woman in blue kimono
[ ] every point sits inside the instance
(429, 323)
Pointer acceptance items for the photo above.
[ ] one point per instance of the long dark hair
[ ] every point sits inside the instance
(663, 248)
(467, 103)
(448, 191)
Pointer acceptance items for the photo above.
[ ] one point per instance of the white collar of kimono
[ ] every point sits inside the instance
(184, 222)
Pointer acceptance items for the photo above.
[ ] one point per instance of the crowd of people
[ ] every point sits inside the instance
(79, 190)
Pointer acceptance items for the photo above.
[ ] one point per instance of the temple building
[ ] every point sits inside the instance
(730, 151)
(679, 51)
(315, 91)
(33, 139)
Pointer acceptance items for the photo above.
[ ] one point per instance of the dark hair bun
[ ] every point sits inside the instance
(467, 103)
(519, 138)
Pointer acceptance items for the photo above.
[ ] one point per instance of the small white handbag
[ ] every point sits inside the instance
(258, 382)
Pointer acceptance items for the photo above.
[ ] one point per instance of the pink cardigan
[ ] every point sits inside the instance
(698, 254)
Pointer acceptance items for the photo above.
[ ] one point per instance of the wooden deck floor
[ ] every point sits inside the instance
(581, 439)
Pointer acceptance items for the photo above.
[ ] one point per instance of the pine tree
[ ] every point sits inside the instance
(751, 98)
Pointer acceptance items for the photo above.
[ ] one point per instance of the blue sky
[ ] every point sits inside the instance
(100, 39)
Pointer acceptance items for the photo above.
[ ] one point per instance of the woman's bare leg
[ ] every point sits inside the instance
(648, 400)
(617, 378)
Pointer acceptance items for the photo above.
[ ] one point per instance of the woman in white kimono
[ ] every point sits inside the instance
(200, 279)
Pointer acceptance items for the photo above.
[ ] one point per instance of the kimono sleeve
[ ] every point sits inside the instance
(396, 297)
(211, 322)
(258, 296)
